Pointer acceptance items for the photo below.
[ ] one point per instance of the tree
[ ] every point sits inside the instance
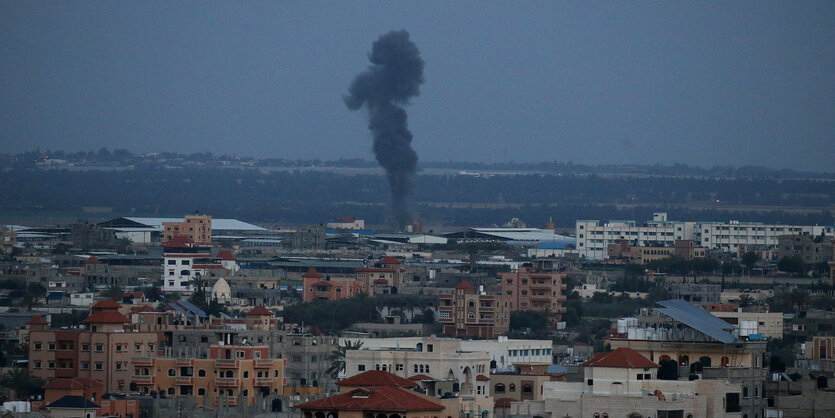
(793, 264)
(745, 300)
(337, 357)
(34, 292)
(21, 382)
(750, 259)
(114, 292)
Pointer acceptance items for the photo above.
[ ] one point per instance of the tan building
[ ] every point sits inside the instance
(102, 352)
(767, 324)
(529, 290)
(380, 394)
(440, 358)
(466, 312)
(622, 250)
(197, 228)
(623, 383)
(231, 375)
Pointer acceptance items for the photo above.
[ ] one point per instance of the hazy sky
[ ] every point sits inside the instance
(594, 82)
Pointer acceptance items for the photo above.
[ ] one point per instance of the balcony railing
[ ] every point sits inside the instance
(226, 381)
(264, 381)
(263, 364)
(142, 380)
(181, 380)
(142, 361)
(233, 364)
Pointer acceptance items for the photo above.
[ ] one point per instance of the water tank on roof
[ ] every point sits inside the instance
(747, 328)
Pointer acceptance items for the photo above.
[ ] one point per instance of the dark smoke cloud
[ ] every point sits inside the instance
(394, 77)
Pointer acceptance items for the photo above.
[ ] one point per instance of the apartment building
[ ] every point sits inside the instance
(625, 252)
(468, 312)
(623, 383)
(102, 352)
(442, 359)
(331, 287)
(232, 375)
(594, 237)
(197, 228)
(184, 261)
(813, 249)
(527, 289)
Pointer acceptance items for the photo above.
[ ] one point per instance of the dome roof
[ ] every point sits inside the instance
(221, 289)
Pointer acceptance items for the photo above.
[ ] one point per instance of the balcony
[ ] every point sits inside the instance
(181, 380)
(142, 380)
(263, 364)
(226, 382)
(264, 381)
(184, 362)
(142, 361)
(540, 298)
(226, 364)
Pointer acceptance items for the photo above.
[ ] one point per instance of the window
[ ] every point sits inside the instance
(360, 367)
(38, 346)
(99, 347)
(246, 374)
(118, 366)
(50, 365)
(51, 346)
(513, 387)
(186, 262)
(499, 388)
(99, 366)
(37, 364)
(201, 373)
(201, 392)
(172, 262)
(172, 372)
(590, 382)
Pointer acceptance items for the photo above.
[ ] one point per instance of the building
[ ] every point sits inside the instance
(69, 395)
(232, 375)
(699, 294)
(330, 287)
(381, 394)
(346, 222)
(468, 312)
(621, 250)
(102, 352)
(593, 238)
(385, 277)
(440, 358)
(529, 290)
(692, 342)
(185, 262)
(767, 324)
(813, 249)
(197, 228)
(149, 230)
(503, 352)
(624, 383)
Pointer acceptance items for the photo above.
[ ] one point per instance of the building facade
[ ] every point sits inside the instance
(468, 312)
(197, 228)
(527, 289)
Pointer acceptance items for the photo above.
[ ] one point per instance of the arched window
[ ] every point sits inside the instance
(201, 373)
(229, 373)
(684, 360)
(171, 391)
(704, 361)
(664, 358)
(201, 392)
(246, 374)
(471, 304)
(726, 362)
(513, 387)
(171, 372)
(499, 388)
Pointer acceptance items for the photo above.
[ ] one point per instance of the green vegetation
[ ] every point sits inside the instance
(333, 316)
(22, 383)
(337, 357)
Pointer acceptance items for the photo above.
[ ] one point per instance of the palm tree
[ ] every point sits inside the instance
(337, 357)
(21, 382)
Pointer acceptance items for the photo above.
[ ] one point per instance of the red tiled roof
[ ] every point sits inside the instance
(143, 308)
(322, 283)
(390, 260)
(69, 383)
(464, 285)
(92, 260)
(482, 378)
(226, 255)
(106, 304)
(504, 402)
(259, 310)
(179, 241)
(419, 377)
(376, 378)
(380, 398)
(37, 320)
(311, 272)
(381, 281)
(101, 317)
(623, 357)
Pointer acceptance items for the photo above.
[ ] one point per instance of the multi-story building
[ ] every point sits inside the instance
(623, 251)
(184, 262)
(386, 277)
(330, 287)
(468, 312)
(197, 228)
(528, 290)
(504, 352)
(442, 359)
(624, 383)
(593, 238)
(767, 324)
(813, 249)
(231, 375)
(103, 351)
(701, 346)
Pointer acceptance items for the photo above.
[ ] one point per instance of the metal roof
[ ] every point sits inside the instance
(698, 319)
(217, 223)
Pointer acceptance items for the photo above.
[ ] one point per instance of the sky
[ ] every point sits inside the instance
(702, 83)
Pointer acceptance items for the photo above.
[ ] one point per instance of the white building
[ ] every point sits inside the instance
(503, 351)
(81, 299)
(183, 262)
(346, 222)
(593, 238)
(442, 359)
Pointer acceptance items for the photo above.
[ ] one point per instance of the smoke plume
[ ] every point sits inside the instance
(394, 77)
